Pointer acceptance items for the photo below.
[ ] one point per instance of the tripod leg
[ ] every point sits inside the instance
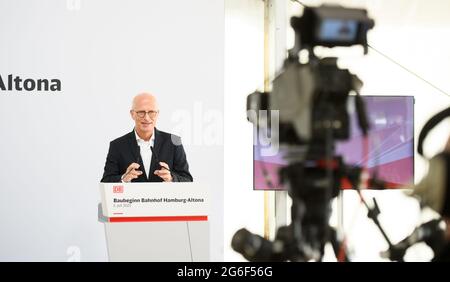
(338, 246)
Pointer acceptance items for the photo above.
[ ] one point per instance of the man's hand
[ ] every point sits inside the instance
(131, 172)
(164, 172)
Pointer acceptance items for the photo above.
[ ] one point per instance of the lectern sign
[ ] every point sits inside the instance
(152, 202)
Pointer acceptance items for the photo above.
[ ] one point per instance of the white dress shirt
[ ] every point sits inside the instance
(146, 152)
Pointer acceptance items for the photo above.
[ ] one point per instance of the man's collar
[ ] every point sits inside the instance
(139, 139)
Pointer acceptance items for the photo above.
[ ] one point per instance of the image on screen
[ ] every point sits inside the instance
(391, 144)
(335, 30)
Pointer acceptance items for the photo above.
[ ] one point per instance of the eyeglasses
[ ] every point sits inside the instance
(151, 114)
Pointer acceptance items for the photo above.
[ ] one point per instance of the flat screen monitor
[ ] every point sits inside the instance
(390, 149)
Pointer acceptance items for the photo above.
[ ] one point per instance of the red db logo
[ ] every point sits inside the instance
(118, 189)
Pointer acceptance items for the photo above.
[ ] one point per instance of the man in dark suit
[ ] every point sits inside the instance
(146, 154)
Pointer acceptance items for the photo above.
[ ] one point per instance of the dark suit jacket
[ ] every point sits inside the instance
(124, 150)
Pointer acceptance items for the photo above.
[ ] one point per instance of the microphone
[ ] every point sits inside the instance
(156, 158)
(429, 232)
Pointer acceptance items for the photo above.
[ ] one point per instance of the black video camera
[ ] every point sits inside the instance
(310, 100)
(332, 26)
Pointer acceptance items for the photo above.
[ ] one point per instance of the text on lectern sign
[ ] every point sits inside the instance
(153, 199)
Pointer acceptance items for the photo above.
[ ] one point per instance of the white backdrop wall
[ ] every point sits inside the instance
(414, 33)
(54, 144)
